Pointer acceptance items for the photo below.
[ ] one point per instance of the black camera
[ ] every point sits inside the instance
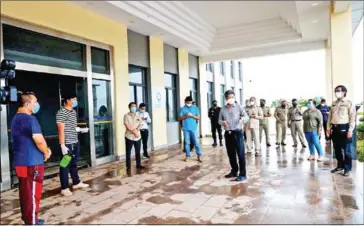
(8, 94)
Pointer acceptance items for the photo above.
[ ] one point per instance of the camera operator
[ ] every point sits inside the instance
(30, 151)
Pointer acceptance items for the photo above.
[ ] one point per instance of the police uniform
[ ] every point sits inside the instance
(215, 126)
(252, 128)
(295, 123)
(281, 124)
(341, 120)
(264, 125)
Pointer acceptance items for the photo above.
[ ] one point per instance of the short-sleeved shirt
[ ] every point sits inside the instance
(135, 121)
(236, 117)
(25, 151)
(312, 120)
(324, 109)
(69, 119)
(189, 124)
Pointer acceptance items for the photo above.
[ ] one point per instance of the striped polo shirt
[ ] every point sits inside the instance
(69, 119)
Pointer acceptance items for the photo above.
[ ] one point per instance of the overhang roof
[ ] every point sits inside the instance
(223, 30)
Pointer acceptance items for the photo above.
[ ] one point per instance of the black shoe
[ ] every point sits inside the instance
(214, 144)
(295, 145)
(221, 143)
(346, 173)
(336, 170)
(278, 144)
(304, 146)
(283, 144)
(140, 167)
(231, 175)
(268, 145)
(146, 156)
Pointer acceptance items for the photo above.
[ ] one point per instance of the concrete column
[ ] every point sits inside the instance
(183, 70)
(217, 78)
(158, 92)
(329, 86)
(341, 50)
(203, 100)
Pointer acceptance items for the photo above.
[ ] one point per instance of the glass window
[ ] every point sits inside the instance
(100, 60)
(102, 117)
(171, 97)
(240, 71)
(232, 68)
(210, 94)
(222, 95)
(135, 75)
(131, 93)
(194, 90)
(222, 68)
(138, 88)
(210, 67)
(36, 48)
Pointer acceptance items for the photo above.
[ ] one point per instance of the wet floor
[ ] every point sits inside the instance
(282, 188)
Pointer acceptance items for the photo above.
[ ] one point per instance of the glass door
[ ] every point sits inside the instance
(103, 125)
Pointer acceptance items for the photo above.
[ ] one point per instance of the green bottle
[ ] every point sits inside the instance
(65, 160)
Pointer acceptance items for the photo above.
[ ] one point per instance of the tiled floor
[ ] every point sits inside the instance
(282, 188)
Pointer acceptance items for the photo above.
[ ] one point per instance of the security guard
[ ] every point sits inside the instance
(281, 123)
(295, 123)
(214, 112)
(255, 114)
(340, 126)
(264, 123)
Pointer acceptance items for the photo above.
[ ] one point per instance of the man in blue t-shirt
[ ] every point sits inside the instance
(325, 110)
(189, 115)
(30, 150)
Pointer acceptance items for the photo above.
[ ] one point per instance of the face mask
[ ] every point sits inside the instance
(189, 105)
(231, 101)
(262, 104)
(215, 105)
(133, 109)
(322, 104)
(74, 104)
(309, 106)
(294, 104)
(142, 111)
(339, 95)
(284, 105)
(36, 108)
(252, 103)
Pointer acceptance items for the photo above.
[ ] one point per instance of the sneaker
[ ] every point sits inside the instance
(336, 170)
(311, 157)
(319, 159)
(240, 179)
(199, 159)
(346, 173)
(80, 185)
(230, 175)
(187, 159)
(66, 192)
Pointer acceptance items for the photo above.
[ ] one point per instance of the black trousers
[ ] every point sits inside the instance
(145, 135)
(235, 148)
(129, 145)
(342, 146)
(325, 129)
(216, 127)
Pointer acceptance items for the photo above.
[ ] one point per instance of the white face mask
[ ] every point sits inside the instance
(252, 103)
(189, 105)
(339, 95)
(231, 101)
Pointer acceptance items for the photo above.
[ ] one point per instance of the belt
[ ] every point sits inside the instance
(338, 126)
(233, 131)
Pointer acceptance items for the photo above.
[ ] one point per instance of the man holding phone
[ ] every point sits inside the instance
(30, 151)
(144, 131)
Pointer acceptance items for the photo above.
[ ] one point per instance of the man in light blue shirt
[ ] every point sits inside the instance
(189, 115)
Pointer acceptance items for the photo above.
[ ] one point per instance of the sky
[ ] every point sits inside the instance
(297, 75)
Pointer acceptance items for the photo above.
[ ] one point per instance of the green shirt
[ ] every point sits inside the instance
(312, 120)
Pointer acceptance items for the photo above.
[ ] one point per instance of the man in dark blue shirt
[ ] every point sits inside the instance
(30, 150)
(325, 111)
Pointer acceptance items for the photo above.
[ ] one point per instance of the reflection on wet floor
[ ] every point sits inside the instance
(282, 182)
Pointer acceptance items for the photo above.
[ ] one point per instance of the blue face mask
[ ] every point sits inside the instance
(142, 111)
(309, 106)
(74, 103)
(36, 108)
(133, 109)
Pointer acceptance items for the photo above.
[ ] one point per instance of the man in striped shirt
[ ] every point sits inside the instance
(68, 139)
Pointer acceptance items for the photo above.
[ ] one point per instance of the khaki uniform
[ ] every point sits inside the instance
(264, 125)
(341, 121)
(281, 123)
(295, 123)
(252, 128)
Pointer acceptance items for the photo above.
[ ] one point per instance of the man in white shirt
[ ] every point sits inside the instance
(146, 121)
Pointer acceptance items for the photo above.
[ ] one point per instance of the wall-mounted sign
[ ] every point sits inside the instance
(158, 96)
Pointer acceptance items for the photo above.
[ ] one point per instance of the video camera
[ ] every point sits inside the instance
(8, 94)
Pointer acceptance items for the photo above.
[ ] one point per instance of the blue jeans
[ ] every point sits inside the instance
(71, 168)
(191, 136)
(313, 141)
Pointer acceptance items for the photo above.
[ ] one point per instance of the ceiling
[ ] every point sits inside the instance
(224, 30)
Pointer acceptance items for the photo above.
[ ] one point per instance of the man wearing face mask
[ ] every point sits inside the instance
(340, 126)
(68, 138)
(133, 125)
(146, 121)
(295, 123)
(233, 117)
(214, 113)
(189, 115)
(264, 123)
(281, 123)
(252, 128)
(325, 111)
(30, 150)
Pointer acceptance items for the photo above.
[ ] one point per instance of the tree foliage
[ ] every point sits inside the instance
(302, 102)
